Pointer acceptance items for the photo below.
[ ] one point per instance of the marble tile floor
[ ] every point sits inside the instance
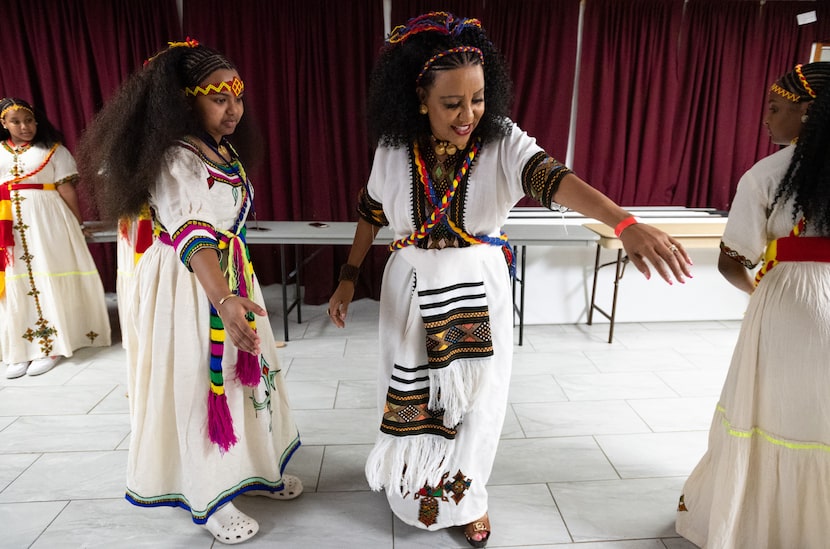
(595, 448)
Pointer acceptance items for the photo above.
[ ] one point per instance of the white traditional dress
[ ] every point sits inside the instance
(54, 300)
(133, 238)
(446, 330)
(177, 457)
(763, 480)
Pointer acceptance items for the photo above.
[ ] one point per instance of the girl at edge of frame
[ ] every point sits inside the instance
(51, 296)
(449, 166)
(209, 412)
(760, 483)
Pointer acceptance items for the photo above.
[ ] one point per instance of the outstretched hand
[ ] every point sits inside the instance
(646, 245)
(339, 303)
(233, 313)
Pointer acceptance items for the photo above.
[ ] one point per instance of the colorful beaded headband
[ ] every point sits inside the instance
(15, 107)
(788, 95)
(436, 57)
(235, 86)
(188, 43)
(437, 21)
(804, 83)
(792, 96)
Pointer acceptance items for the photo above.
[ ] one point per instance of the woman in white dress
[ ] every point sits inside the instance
(763, 480)
(51, 295)
(445, 175)
(209, 414)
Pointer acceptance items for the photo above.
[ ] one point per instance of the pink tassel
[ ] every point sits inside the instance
(247, 369)
(220, 424)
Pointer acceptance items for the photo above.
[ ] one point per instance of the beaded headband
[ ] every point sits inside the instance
(793, 96)
(803, 80)
(436, 21)
(788, 95)
(436, 57)
(15, 107)
(188, 43)
(235, 86)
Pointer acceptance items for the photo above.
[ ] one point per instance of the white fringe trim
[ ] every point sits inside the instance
(455, 388)
(423, 458)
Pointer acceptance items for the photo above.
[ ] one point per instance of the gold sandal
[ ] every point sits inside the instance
(476, 527)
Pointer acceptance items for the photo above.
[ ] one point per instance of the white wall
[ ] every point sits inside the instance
(559, 279)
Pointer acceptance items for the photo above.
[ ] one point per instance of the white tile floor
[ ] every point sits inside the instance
(597, 443)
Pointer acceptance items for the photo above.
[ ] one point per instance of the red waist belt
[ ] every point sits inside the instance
(35, 186)
(803, 248)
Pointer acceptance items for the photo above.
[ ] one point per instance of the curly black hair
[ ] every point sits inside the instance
(120, 153)
(392, 105)
(808, 176)
(47, 134)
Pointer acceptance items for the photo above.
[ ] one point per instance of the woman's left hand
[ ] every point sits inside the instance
(646, 245)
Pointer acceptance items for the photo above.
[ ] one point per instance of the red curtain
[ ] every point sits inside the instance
(627, 97)
(68, 57)
(672, 94)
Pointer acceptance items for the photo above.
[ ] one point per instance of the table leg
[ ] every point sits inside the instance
(594, 290)
(285, 308)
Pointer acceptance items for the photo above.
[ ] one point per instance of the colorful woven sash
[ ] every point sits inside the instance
(794, 247)
(238, 270)
(6, 218)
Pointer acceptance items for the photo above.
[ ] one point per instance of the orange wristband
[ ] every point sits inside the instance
(624, 224)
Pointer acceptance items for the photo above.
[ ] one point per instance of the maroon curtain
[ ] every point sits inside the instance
(68, 57)
(628, 91)
(306, 69)
(732, 51)
(672, 94)
(539, 41)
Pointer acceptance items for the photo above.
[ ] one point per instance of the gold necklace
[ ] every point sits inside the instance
(444, 147)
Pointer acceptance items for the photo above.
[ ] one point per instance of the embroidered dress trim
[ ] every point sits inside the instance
(541, 177)
(766, 436)
(200, 516)
(6, 216)
(192, 237)
(732, 254)
(370, 210)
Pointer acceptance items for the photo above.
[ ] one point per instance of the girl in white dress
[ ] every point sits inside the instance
(763, 480)
(209, 414)
(51, 295)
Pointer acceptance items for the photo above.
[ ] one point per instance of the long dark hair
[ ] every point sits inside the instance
(47, 134)
(808, 177)
(120, 153)
(393, 103)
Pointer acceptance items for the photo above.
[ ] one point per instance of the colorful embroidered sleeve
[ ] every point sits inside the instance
(370, 209)
(184, 206)
(192, 237)
(541, 177)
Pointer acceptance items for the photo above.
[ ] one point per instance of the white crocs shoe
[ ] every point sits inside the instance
(42, 365)
(16, 370)
(230, 526)
(292, 488)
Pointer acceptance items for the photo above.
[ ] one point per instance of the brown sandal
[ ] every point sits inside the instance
(475, 527)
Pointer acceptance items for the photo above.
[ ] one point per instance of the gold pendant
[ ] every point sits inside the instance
(451, 149)
(440, 148)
